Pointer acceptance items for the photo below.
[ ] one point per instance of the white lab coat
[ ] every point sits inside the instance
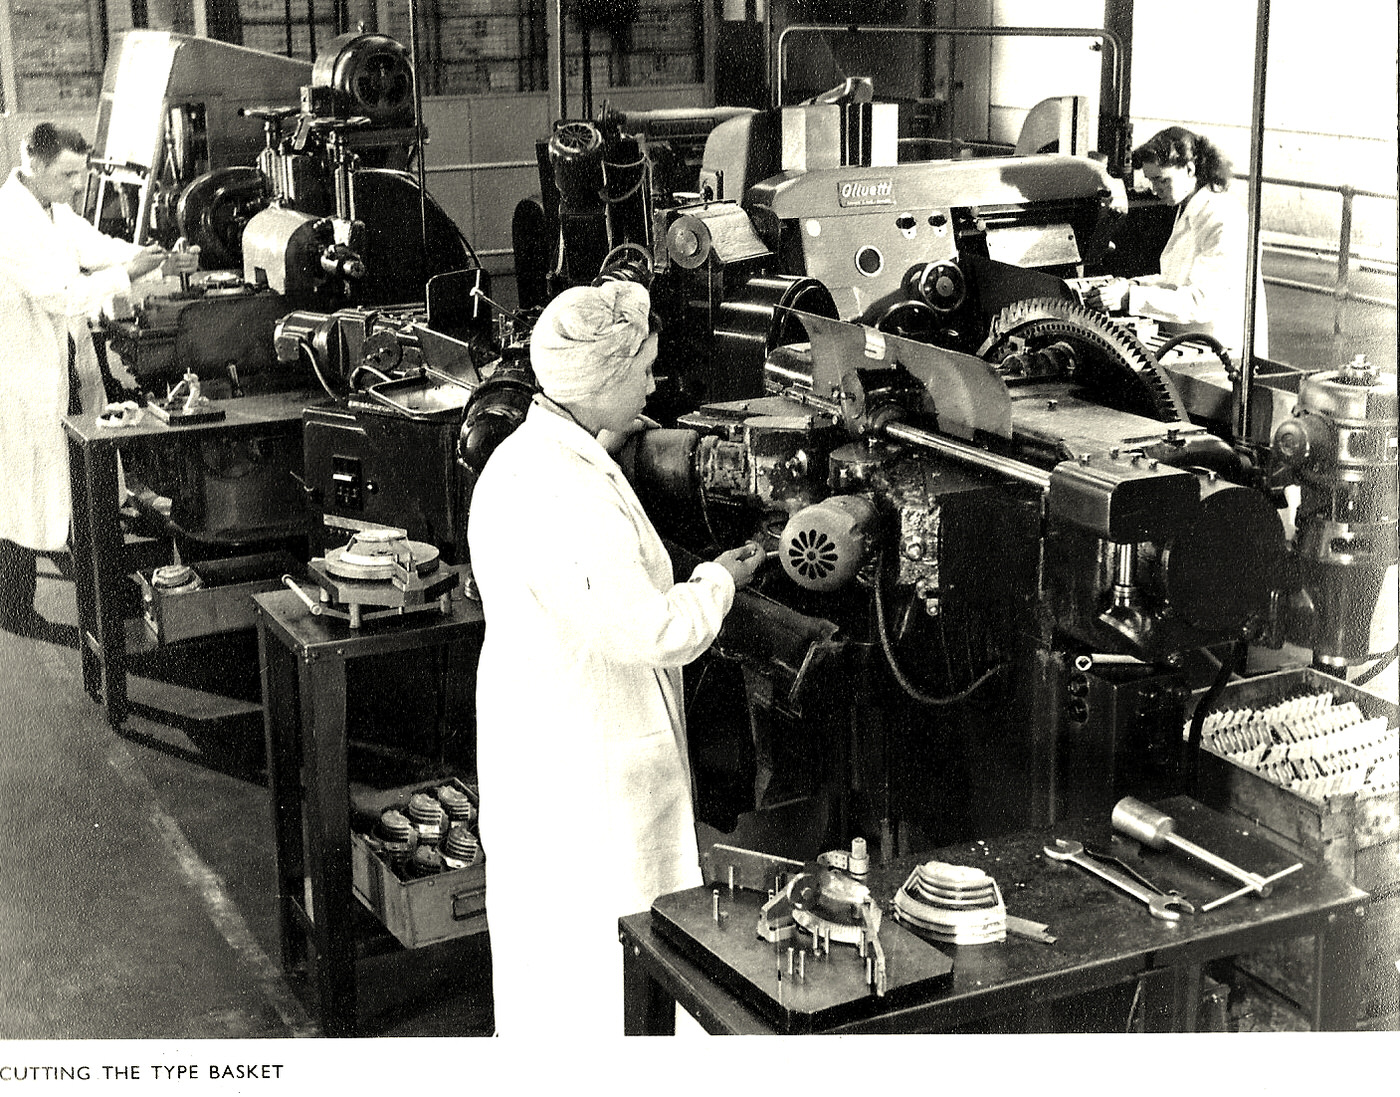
(1202, 279)
(586, 807)
(54, 274)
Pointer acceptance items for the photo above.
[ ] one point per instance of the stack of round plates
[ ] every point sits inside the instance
(952, 903)
(176, 579)
(378, 553)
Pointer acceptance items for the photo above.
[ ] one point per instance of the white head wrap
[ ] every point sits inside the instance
(586, 336)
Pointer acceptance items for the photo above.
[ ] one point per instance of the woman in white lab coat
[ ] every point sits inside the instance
(56, 270)
(1201, 286)
(586, 804)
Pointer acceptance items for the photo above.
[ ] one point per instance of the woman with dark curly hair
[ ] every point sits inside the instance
(1201, 286)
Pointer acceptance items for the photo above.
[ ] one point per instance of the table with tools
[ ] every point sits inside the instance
(1191, 887)
(100, 560)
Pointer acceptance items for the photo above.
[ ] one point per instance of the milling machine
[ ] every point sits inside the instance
(307, 205)
(293, 181)
(1008, 554)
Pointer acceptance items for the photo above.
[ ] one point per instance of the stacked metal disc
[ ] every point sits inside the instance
(954, 904)
(456, 803)
(434, 831)
(176, 579)
(396, 834)
(425, 861)
(428, 818)
(460, 848)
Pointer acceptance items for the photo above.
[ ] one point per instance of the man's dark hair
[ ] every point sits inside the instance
(46, 141)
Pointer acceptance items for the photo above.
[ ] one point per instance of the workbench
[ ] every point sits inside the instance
(1104, 939)
(100, 564)
(305, 661)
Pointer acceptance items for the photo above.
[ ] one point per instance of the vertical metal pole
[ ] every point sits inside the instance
(556, 8)
(1115, 131)
(287, 23)
(415, 59)
(1244, 386)
(1343, 257)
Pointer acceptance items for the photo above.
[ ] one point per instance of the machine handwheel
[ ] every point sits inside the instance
(214, 210)
(627, 263)
(911, 320)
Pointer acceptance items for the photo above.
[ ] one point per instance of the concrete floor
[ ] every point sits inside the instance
(136, 901)
(136, 892)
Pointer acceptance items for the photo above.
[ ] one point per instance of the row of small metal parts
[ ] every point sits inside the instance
(1309, 744)
(1308, 779)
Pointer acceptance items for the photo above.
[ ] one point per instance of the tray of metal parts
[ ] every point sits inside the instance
(429, 908)
(817, 992)
(221, 602)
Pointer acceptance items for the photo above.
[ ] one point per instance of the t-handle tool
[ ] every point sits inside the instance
(1155, 829)
(1162, 905)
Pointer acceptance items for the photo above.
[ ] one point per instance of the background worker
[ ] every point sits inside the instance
(56, 270)
(586, 798)
(1201, 286)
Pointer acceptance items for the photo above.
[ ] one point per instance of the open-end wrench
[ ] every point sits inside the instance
(1166, 907)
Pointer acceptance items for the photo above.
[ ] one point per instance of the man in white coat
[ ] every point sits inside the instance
(586, 805)
(56, 270)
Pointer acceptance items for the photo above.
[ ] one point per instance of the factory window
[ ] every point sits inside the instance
(56, 55)
(474, 47)
(492, 47)
(297, 29)
(654, 43)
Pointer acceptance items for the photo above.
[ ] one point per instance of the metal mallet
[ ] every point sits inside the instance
(1153, 828)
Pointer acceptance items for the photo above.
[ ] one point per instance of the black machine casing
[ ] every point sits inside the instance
(368, 465)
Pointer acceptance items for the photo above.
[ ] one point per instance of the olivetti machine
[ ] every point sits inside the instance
(1008, 555)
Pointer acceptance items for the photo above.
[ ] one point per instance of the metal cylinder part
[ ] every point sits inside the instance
(1340, 447)
(1154, 828)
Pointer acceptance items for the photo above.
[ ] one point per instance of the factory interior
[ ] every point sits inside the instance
(1065, 609)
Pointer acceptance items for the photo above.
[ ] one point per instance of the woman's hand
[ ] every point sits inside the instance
(1109, 297)
(145, 261)
(742, 562)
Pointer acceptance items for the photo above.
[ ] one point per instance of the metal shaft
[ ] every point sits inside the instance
(1026, 474)
(1006, 466)
(1253, 879)
(1158, 830)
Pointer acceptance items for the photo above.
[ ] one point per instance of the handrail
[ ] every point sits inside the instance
(1341, 292)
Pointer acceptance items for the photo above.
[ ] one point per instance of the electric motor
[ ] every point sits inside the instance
(370, 76)
(823, 546)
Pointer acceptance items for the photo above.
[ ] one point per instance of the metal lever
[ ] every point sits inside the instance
(1164, 906)
(1155, 829)
(314, 606)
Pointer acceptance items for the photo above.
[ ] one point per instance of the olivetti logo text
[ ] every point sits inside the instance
(867, 192)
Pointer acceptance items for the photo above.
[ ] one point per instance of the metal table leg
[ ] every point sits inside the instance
(98, 556)
(282, 735)
(647, 1010)
(327, 807)
(1338, 960)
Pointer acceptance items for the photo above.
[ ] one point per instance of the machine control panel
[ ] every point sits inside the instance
(348, 483)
